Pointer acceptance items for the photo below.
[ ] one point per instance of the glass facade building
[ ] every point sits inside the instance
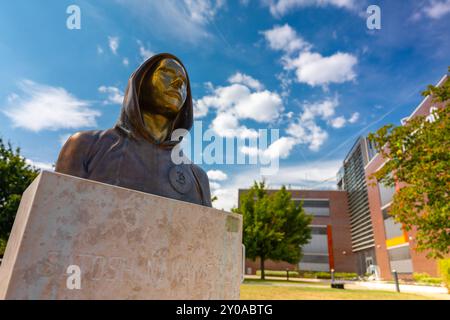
(351, 178)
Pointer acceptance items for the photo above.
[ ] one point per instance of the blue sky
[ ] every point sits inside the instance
(307, 67)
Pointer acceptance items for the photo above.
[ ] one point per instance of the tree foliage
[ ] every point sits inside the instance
(418, 155)
(274, 227)
(15, 176)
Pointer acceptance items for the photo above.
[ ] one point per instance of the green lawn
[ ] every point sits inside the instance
(281, 290)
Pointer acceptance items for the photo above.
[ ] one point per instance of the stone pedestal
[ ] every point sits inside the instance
(126, 244)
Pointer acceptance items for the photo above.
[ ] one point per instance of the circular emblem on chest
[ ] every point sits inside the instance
(179, 179)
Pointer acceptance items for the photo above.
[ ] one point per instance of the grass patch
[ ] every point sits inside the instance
(272, 291)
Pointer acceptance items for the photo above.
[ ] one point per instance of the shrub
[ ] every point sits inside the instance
(323, 275)
(444, 271)
(418, 277)
(327, 275)
(278, 273)
(346, 275)
(432, 281)
(425, 278)
(2, 247)
(309, 274)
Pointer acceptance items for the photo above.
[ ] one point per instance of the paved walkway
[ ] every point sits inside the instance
(407, 288)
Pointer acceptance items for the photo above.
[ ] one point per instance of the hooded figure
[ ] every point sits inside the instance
(136, 152)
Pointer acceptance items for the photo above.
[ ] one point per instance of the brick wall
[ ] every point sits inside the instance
(268, 265)
(419, 260)
(339, 220)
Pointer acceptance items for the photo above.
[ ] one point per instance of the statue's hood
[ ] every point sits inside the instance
(131, 121)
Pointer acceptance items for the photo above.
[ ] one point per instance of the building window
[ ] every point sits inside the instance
(386, 194)
(319, 230)
(315, 253)
(309, 258)
(317, 207)
(400, 259)
(319, 241)
(371, 150)
(392, 229)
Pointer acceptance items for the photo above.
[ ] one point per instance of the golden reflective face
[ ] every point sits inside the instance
(165, 90)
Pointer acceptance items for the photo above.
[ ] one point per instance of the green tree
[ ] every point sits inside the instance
(418, 158)
(274, 227)
(15, 176)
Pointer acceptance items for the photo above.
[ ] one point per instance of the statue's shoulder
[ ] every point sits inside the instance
(90, 137)
(83, 138)
(78, 149)
(75, 152)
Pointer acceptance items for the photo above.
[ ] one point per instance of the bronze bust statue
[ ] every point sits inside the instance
(136, 152)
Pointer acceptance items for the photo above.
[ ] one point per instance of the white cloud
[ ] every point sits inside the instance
(354, 117)
(217, 175)
(316, 70)
(186, 20)
(239, 102)
(236, 101)
(224, 98)
(437, 9)
(306, 130)
(308, 174)
(263, 106)
(201, 11)
(99, 50)
(40, 165)
(113, 44)
(285, 83)
(125, 62)
(338, 122)
(227, 197)
(214, 185)
(43, 107)
(201, 108)
(303, 129)
(252, 151)
(115, 96)
(323, 109)
(310, 67)
(314, 175)
(144, 52)
(242, 99)
(280, 148)
(246, 80)
(309, 133)
(286, 39)
(279, 8)
(12, 97)
(227, 125)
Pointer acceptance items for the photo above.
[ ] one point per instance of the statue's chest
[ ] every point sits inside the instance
(149, 169)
